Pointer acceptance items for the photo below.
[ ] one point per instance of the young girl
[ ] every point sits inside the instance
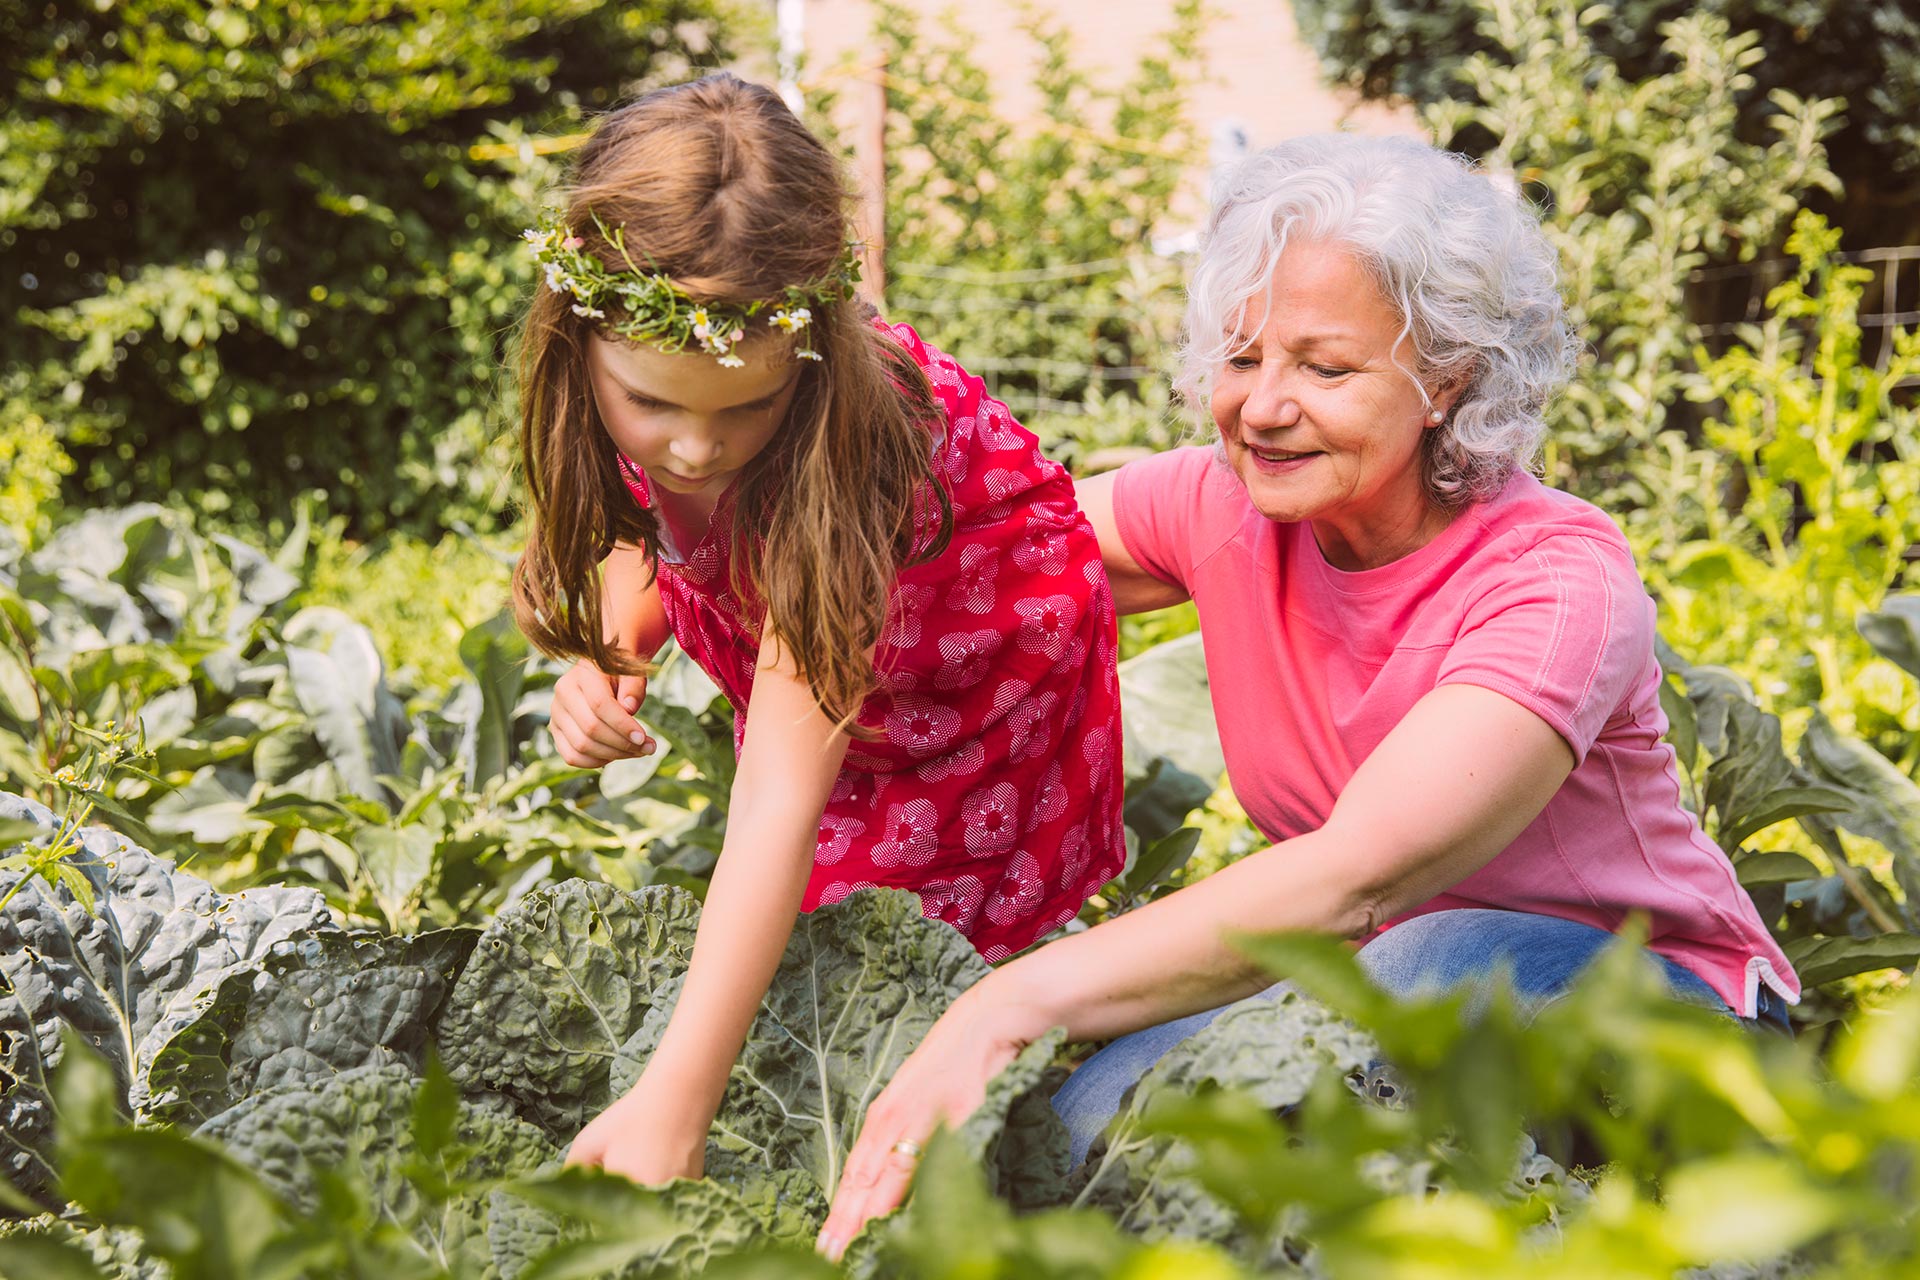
(863, 550)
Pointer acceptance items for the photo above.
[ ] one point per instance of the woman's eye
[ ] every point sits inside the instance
(1329, 371)
(1241, 364)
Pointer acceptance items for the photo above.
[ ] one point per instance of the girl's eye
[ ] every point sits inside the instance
(643, 402)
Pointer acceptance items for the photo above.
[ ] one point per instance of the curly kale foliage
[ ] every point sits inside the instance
(330, 1002)
(338, 1146)
(1270, 1053)
(401, 1102)
(363, 1120)
(585, 1222)
(556, 985)
(125, 978)
(859, 986)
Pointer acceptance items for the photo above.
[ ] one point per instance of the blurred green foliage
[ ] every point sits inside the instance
(417, 597)
(1861, 51)
(252, 249)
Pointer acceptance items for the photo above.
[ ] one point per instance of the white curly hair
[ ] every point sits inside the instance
(1460, 256)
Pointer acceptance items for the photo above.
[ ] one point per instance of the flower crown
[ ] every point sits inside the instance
(651, 308)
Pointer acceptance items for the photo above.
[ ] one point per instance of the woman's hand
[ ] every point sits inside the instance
(939, 1085)
(652, 1134)
(593, 717)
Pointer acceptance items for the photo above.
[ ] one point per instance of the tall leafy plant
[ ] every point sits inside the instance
(1024, 249)
(1859, 52)
(1823, 456)
(1643, 178)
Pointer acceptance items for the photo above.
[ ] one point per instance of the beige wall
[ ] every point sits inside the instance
(1256, 72)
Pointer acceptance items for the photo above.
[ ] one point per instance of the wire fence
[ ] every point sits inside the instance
(1055, 339)
(1730, 297)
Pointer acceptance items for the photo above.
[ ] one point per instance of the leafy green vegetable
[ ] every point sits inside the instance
(316, 1007)
(125, 978)
(860, 983)
(1271, 1050)
(1015, 1134)
(582, 1223)
(557, 984)
(360, 1120)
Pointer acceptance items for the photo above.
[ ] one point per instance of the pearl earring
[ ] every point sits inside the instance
(1436, 417)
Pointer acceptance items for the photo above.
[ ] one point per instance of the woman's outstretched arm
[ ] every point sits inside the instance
(1453, 784)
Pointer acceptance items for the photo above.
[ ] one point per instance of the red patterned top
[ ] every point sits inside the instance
(994, 787)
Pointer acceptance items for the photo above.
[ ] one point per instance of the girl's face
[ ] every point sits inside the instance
(1319, 417)
(689, 423)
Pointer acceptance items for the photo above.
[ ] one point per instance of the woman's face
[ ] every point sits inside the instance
(1318, 420)
(689, 423)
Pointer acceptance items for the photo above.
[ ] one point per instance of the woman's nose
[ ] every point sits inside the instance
(1270, 403)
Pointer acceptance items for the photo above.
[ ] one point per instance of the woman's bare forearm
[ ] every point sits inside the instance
(1175, 956)
(1453, 784)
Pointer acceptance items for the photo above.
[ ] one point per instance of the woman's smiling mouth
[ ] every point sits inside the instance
(1285, 459)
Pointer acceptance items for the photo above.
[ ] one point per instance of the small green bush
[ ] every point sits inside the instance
(1822, 460)
(1026, 251)
(1860, 51)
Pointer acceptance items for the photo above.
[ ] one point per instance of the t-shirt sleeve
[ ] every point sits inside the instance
(1162, 504)
(1566, 630)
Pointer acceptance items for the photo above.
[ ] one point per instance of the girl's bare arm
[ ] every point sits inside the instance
(788, 763)
(630, 614)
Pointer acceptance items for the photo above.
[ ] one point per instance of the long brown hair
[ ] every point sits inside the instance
(716, 184)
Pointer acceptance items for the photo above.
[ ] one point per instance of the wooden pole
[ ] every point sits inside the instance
(870, 160)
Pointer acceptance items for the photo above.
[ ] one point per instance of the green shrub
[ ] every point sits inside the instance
(417, 598)
(1860, 51)
(1822, 460)
(31, 466)
(256, 249)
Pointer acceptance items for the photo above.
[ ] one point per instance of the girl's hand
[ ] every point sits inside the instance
(651, 1135)
(939, 1085)
(592, 718)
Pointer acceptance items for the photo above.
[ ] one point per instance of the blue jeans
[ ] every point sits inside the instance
(1541, 956)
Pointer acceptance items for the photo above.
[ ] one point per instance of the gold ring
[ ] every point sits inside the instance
(908, 1147)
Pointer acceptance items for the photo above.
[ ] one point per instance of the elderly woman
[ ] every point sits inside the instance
(1434, 677)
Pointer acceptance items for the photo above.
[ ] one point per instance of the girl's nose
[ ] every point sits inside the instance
(695, 453)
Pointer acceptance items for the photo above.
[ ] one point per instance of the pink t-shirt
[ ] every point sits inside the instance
(1532, 594)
